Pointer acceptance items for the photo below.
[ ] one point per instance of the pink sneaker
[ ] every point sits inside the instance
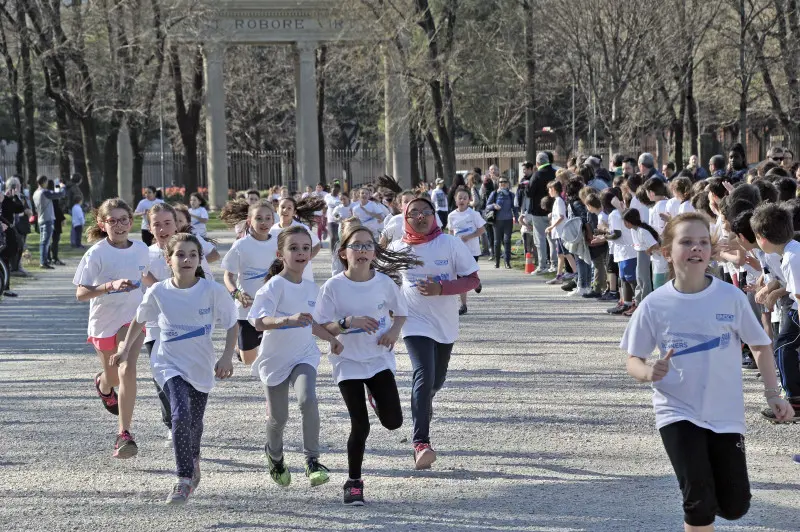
(424, 455)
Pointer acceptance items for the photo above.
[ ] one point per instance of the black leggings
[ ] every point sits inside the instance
(163, 398)
(383, 388)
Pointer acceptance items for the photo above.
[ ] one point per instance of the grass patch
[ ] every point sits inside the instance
(214, 223)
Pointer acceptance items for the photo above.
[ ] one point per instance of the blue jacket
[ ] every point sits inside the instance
(505, 199)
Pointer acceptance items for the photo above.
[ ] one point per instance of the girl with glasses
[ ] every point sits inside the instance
(109, 276)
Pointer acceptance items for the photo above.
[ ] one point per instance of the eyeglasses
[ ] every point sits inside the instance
(122, 221)
(416, 214)
(362, 246)
(503, 182)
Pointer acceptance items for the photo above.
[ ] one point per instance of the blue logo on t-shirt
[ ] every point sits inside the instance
(312, 303)
(728, 318)
(204, 311)
(681, 342)
(443, 262)
(193, 332)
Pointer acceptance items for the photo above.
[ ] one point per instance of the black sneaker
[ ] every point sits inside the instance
(770, 415)
(619, 309)
(354, 493)
(592, 295)
(462, 310)
(569, 286)
(478, 290)
(610, 296)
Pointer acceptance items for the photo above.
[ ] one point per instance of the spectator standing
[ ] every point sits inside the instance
(537, 191)
(58, 227)
(502, 201)
(43, 200)
(78, 219)
(647, 168)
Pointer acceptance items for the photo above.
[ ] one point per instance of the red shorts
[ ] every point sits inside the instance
(109, 343)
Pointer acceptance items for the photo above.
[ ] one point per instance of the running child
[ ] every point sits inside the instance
(109, 276)
(148, 201)
(198, 213)
(187, 307)
(288, 355)
(293, 213)
(210, 253)
(467, 225)
(246, 266)
(697, 323)
(448, 269)
(364, 308)
(371, 213)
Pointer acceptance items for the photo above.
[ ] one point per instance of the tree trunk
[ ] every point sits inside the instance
(437, 156)
(76, 150)
(27, 95)
(91, 151)
(190, 170)
(110, 161)
(62, 127)
(413, 136)
(138, 159)
(322, 61)
(743, 77)
(692, 118)
(530, 77)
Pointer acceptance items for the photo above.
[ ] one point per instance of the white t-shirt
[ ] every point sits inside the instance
(439, 198)
(208, 247)
(103, 263)
(332, 202)
(186, 318)
(465, 223)
(644, 212)
(283, 349)
(642, 241)
(250, 259)
(655, 221)
(623, 246)
(673, 206)
(308, 273)
(559, 210)
(686, 206)
(199, 227)
(445, 258)
(367, 216)
(142, 207)
(790, 268)
(340, 297)
(704, 382)
(342, 212)
(161, 271)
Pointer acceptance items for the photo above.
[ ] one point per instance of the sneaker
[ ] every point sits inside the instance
(569, 286)
(180, 492)
(630, 310)
(125, 447)
(770, 415)
(592, 294)
(570, 275)
(796, 459)
(608, 295)
(462, 310)
(110, 401)
(619, 309)
(424, 455)
(59, 262)
(558, 279)
(354, 493)
(748, 364)
(317, 473)
(540, 271)
(196, 475)
(279, 472)
(552, 269)
(168, 441)
(478, 290)
(578, 292)
(46, 267)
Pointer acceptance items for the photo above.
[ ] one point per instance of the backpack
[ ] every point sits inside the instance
(572, 230)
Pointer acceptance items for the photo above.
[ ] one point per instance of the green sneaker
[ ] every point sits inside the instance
(317, 473)
(279, 473)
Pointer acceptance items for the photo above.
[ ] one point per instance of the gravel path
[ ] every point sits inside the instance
(537, 428)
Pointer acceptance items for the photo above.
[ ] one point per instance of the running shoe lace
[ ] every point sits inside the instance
(110, 400)
(314, 465)
(181, 489)
(355, 491)
(125, 435)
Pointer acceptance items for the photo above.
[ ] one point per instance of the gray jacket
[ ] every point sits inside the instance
(43, 200)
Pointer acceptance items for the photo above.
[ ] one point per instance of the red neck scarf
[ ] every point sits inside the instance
(410, 235)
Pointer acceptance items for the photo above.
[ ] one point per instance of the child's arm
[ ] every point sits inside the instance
(268, 323)
(87, 292)
(478, 232)
(652, 249)
(644, 372)
(322, 333)
(550, 227)
(389, 338)
(134, 331)
(765, 360)
(213, 256)
(199, 218)
(242, 297)
(224, 366)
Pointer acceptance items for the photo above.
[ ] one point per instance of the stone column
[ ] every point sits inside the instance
(124, 165)
(307, 132)
(216, 141)
(397, 110)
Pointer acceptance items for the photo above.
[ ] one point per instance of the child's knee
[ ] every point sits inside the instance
(734, 508)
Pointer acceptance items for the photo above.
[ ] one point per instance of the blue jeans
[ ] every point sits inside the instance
(786, 346)
(188, 408)
(429, 360)
(584, 273)
(45, 236)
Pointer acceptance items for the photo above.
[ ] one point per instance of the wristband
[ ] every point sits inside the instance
(343, 324)
(234, 293)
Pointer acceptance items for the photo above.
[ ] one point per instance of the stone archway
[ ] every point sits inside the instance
(303, 24)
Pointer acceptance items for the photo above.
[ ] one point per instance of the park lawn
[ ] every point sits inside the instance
(214, 223)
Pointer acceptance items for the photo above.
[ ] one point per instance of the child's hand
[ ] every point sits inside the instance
(245, 299)
(336, 347)
(660, 369)
(761, 295)
(369, 325)
(665, 216)
(223, 368)
(301, 319)
(121, 285)
(120, 356)
(389, 338)
(781, 408)
(771, 299)
(429, 287)
(547, 230)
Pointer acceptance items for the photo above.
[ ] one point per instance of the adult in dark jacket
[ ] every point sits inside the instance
(57, 227)
(486, 190)
(502, 202)
(9, 207)
(537, 191)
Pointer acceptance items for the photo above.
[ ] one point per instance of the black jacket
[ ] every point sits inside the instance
(537, 189)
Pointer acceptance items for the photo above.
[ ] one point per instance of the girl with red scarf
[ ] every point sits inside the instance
(432, 293)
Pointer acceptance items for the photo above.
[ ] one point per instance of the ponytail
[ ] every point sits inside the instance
(633, 217)
(387, 262)
(305, 208)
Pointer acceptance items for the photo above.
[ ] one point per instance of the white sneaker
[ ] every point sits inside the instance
(168, 441)
(578, 292)
(552, 269)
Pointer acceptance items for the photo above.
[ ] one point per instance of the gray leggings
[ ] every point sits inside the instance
(303, 379)
(644, 279)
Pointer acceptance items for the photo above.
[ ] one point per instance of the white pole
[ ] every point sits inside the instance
(161, 132)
